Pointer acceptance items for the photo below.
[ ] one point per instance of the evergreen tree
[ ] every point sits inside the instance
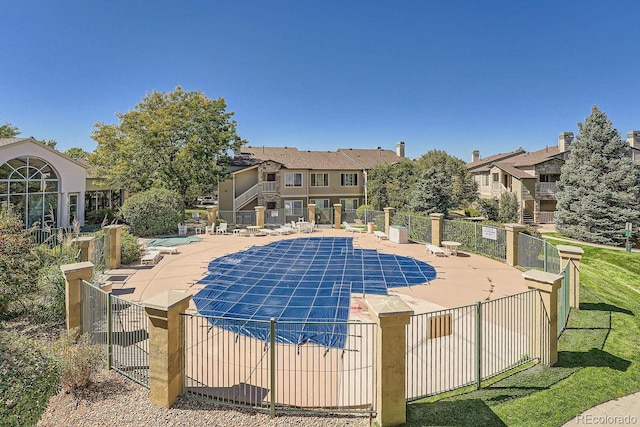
(508, 210)
(599, 188)
(431, 193)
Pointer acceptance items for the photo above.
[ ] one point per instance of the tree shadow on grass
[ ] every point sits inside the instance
(592, 358)
(468, 412)
(603, 306)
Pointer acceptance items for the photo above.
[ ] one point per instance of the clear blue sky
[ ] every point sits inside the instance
(451, 75)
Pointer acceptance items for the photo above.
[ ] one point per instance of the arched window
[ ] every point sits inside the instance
(29, 186)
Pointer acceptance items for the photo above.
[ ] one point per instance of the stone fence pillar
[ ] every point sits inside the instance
(85, 244)
(392, 316)
(573, 255)
(166, 367)
(259, 216)
(437, 228)
(547, 284)
(388, 214)
(337, 215)
(74, 274)
(513, 231)
(114, 248)
(212, 215)
(312, 212)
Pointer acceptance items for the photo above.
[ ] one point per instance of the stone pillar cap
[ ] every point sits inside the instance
(570, 249)
(514, 226)
(388, 209)
(166, 300)
(311, 204)
(68, 268)
(439, 215)
(337, 204)
(542, 276)
(388, 305)
(84, 239)
(259, 207)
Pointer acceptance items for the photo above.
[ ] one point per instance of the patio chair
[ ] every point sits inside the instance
(222, 228)
(351, 229)
(182, 229)
(210, 229)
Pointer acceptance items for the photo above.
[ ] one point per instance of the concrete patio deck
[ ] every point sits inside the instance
(462, 279)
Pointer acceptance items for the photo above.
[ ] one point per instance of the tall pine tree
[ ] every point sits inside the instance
(599, 188)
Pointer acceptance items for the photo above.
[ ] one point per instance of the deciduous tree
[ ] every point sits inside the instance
(175, 140)
(599, 187)
(464, 190)
(7, 130)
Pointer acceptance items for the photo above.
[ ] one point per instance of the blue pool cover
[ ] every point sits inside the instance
(301, 280)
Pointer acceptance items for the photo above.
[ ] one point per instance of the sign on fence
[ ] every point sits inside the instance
(490, 233)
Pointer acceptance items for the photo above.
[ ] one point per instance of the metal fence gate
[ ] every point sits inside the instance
(462, 346)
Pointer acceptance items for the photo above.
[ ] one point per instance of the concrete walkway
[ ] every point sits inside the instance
(622, 411)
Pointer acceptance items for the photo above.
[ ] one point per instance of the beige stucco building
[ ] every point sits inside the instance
(286, 180)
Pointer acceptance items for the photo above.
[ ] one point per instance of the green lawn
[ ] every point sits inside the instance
(598, 360)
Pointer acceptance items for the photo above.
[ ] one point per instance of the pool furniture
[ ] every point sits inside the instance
(451, 246)
(182, 229)
(150, 258)
(163, 249)
(352, 229)
(380, 235)
(222, 228)
(435, 250)
(209, 229)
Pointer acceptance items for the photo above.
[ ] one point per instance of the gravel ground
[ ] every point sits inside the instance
(113, 400)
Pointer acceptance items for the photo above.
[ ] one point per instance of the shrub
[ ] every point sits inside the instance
(32, 378)
(130, 248)
(19, 263)
(153, 212)
(100, 216)
(362, 209)
(78, 360)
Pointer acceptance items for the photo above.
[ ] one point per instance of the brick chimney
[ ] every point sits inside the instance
(564, 141)
(633, 138)
(475, 156)
(400, 149)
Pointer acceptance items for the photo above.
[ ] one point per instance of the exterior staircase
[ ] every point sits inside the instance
(527, 218)
(243, 199)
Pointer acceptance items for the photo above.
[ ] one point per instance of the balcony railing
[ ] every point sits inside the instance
(497, 187)
(546, 188)
(546, 217)
(269, 187)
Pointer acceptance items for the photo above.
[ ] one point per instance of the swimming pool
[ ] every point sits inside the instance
(302, 280)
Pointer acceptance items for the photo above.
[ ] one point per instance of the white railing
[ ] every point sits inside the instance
(546, 217)
(546, 188)
(245, 197)
(269, 187)
(497, 187)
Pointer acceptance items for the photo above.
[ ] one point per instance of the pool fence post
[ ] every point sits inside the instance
(259, 216)
(212, 215)
(311, 209)
(114, 249)
(437, 228)
(573, 255)
(272, 369)
(388, 213)
(74, 274)
(166, 341)
(392, 316)
(337, 217)
(85, 244)
(513, 230)
(478, 345)
(547, 285)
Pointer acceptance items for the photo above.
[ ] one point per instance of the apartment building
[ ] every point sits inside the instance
(286, 180)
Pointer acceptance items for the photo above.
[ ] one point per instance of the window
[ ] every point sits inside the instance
(271, 205)
(319, 179)
(293, 207)
(293, 179)
(321, 203)
(271, 177)
(29, 186)
(496, 177)
(349, 204)
(485, 180)
(348, 179)
(549, 178)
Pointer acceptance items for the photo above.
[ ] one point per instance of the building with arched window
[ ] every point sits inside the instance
(45, 187)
